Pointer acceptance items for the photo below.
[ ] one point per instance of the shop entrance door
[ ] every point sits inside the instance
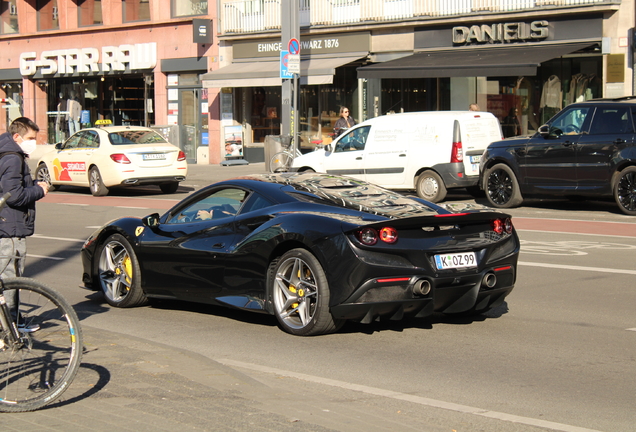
(190, 122)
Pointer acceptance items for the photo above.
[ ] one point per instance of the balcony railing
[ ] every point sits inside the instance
(246, 16)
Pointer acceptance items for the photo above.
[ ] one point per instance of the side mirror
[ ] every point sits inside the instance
(151, 221)
(328, 148)
(544, 130)
(58, 146)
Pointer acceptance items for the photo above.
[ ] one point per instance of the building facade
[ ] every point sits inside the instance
(527, 58)
(67, 64)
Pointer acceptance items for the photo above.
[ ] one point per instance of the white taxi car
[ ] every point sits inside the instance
(114, 156)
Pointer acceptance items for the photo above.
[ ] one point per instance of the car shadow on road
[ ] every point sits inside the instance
(134, 192)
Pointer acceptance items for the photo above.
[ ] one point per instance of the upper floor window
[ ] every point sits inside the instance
(189, 7)
(136, 10)
(48, 18)
(8, 17)
(90, 12)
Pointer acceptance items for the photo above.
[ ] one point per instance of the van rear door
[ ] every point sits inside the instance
(476, 134)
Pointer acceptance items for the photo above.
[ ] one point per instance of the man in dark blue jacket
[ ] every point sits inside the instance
(17, 218)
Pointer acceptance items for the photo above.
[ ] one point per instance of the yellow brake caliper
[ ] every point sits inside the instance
(128, 269)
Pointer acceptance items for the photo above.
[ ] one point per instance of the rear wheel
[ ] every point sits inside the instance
(301, 294)
(625, 191)
(119, 273)
(169, 188)
(95, 182)
(502, 188)
(43, 174)
(430, 186)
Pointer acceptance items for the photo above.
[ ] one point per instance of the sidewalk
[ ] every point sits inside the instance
(128, 384)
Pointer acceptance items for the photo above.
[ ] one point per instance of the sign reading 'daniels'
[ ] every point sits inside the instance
(86, 60)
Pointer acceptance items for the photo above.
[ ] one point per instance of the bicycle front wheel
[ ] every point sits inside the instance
(41, 365)
(281, 162)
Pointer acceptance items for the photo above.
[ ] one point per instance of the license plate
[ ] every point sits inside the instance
(456, 260)
(154, 156)
(475, 159)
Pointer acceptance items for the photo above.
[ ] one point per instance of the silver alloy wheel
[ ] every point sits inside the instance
(95, 180)
(295, 293)
(43, 174)
(115, 271)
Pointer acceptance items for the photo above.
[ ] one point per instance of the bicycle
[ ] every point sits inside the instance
(40, 344)
(282, 160)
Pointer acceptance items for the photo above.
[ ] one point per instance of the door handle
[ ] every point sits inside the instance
(568, 143)
(619, 141)
(359, 158)
(218, 245)
(402, 155)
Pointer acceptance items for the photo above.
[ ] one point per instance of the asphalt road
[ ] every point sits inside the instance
(559, 355)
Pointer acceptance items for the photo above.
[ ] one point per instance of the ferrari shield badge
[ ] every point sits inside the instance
(139, 230)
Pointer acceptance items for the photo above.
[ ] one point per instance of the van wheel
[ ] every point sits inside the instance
(502, 187)
(430, 187)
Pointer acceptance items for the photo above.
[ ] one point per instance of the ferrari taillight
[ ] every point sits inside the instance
(500, 226)
(370, 236)
(120, 158)
(181, 156)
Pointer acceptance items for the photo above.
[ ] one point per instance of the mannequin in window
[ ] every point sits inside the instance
(61, 114)
(74, 111)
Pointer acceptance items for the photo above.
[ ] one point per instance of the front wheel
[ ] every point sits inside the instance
(625, 191)
(501, 186)
(96, 183)
(281, 162)
(301, 294)
(430, 187)
(37, 369)
(43, 174)
(119, 273)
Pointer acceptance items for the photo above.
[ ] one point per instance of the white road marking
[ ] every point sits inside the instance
(76, 204)
(580, 268)
(40, 236)
(631, 329)
(127, 207)
(410, 398)
(574, 233)
(45, 257)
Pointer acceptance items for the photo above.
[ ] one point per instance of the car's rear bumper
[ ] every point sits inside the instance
(152, 180)
(454, 176)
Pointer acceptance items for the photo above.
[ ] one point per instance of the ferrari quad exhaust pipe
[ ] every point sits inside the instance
(489, 280)
(422, 287)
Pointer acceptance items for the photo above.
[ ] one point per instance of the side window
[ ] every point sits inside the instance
(219, 204)
(255, 202)
(354, 140)
(90, 140)
(73, 142)
(611, 120)
(571, 122)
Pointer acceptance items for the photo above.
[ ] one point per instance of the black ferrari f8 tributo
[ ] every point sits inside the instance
(312, 249)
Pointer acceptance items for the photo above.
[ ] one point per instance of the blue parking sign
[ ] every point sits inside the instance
(284, 71)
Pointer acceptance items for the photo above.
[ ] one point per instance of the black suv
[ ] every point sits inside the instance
(588, 150)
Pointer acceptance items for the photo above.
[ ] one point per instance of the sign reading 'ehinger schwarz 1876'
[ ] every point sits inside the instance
(500, 33)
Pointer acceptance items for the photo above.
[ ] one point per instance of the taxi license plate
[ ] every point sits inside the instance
(154, 156)
(455, 260)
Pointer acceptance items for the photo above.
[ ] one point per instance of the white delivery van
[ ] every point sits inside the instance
(428, 151)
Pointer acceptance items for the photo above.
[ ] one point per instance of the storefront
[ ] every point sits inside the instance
(251, 88)
(66, 85)
(528, 68)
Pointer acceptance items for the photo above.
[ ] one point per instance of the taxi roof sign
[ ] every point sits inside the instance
(103, 122)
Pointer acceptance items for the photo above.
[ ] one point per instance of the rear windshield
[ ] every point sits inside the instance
(132, 136)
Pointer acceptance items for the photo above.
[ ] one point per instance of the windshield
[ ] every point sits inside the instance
(128, 137)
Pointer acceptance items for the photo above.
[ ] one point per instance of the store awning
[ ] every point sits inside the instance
(518, 60)
(313, 71)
